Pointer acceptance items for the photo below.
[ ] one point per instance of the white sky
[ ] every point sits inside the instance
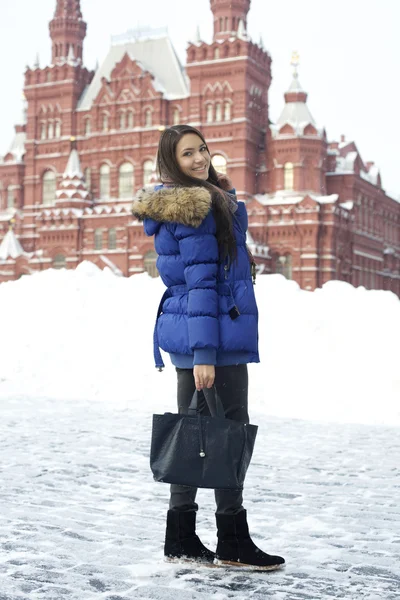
(349, 52)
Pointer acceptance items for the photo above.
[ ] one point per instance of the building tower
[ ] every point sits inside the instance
(230, 17)
(67, 32)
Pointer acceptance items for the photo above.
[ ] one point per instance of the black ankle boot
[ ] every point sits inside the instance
(236, 548)
(181, 541)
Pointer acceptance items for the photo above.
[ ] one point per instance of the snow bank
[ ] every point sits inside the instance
(328, 355)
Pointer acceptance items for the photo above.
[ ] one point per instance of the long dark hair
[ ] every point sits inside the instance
(170, 171)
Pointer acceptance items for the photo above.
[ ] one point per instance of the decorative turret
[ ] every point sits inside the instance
(72, 189)
(296, 118)
(230, 18)
(67, 32)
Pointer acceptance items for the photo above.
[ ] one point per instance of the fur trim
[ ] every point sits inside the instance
(186, 205)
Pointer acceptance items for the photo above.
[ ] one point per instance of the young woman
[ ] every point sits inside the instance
(207, 320)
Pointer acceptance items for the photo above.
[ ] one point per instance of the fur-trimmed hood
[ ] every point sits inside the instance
(186, 205)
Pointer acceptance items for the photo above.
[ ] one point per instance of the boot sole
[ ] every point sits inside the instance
(244, 566)
(190, 561)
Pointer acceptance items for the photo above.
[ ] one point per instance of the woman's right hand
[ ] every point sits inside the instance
(204, 376)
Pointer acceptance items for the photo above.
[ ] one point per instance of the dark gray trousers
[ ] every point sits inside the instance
(232, 387)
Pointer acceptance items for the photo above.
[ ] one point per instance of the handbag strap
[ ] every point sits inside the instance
(213, 401)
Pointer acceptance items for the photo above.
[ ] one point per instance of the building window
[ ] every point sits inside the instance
(148, 121)
(112, 239)
(49, 188)
(288, 176)
(88, 178)
(283, 265)
(218, 112)
(176, 116)
(126, 180)
(221, 24)
(147, 171)
(105, 122)
(227, 111)
(43, 131)
(219, 163)
(209, 113)
(216, 53)
(10, 197)
(226, 24)
(131, 119)
(150, 261)
(59, 262)
(50, 132)
(88, 127)
(98, 239)
(122, 120)
(104, 181)
(58, 129)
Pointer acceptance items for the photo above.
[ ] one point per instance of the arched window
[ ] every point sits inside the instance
(126, 180)
(218, 112)
(112, 239)
(43, 131)
(122, 120)
(147, 171)
(176, 116)
(49, 184)
(216, 53)
(219, 163)
(148, 118)
(131, 119)
(227, 111)
(98, 239)
(283, 265)
(88, 127)
(58, 129)
(226, 24)
(288, 176)
(221, 24)
(50, 131)
(209, 113)
(105, 122)
(88, 178)
(10, 197)
(59, 262)
(150, 261)
(104, 181)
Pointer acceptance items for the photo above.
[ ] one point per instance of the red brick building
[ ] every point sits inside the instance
(87, 141)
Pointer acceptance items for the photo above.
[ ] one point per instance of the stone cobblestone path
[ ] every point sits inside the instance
(82, 519)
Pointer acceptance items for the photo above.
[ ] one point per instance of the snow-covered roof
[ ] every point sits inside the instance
(157, 55)
(10, 246)
(17, 148)
(283, 197)
(295, 112)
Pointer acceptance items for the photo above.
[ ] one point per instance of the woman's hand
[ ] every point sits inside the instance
(204, 376)
(225, 182)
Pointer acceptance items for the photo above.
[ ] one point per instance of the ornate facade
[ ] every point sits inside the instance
(87, 142)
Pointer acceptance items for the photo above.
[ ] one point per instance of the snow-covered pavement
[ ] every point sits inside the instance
(82, 519)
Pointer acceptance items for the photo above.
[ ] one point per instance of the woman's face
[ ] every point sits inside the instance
(192, 156)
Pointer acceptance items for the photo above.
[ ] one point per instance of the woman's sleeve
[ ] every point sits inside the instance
(199, 253)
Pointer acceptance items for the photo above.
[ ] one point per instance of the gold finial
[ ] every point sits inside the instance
(11, 224)
(295, 62)
(72, 138)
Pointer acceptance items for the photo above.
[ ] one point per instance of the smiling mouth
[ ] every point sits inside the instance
(200, 168)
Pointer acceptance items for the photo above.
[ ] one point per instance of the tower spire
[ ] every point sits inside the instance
(230, 16)
(67, 30)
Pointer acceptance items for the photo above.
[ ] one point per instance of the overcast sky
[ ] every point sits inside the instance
(349, 58)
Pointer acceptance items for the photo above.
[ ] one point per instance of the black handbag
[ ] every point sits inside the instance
(206, 452)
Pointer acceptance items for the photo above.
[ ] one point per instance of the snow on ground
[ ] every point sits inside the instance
(327, 355)
(82, 519)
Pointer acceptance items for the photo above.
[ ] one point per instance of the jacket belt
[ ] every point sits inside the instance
(156, 346)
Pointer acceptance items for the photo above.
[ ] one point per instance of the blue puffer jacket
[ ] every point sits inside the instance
(208, 314)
